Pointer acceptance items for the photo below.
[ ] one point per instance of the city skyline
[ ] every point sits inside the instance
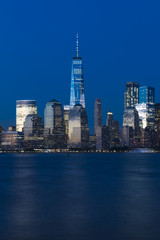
(119, 42)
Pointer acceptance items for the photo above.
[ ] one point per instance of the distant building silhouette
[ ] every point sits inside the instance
(113, 128)
(97, 122)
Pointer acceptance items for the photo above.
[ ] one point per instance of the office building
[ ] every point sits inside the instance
(113, 128)
(149, 138)
(12, 141)
(97, 122)
(105, 137)
(131, 118)
(127, 136)
(78, 127)
(23, 108)
(54, 130)
(92, 142)
(33, 127)
(66, 120)
(77, 95)
(146, 107)
(131, 96)
(157, 116)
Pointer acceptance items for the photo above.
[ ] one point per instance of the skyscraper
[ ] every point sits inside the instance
(77, 95)
(113, 129)
(146, 106)
(131, 96)
(97, 114)
(23, 108)
(157, 116)
(78, 127)
(66, 118)
(54, 130)
(97, 122)
(131, 118)
(33, 127)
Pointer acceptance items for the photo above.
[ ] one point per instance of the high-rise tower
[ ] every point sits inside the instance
(146, 106)
(23, 108)
(97, 122)
(131, 96)
(77, 95)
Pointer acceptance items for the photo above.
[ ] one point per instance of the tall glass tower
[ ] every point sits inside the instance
(146, 106)
(77, 95)
(131, 96)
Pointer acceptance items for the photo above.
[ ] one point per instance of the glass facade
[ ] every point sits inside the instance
(131, 95)
(77, 83)
(54, 130)
(53, 116)
(142, 112)
(131, 118)
(78, 127)
(24, 108)
(146, 106)
(77, 95)
(33, 127)
(146, 94)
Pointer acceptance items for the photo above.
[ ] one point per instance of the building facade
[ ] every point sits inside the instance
(54, 130)
(105, 137)
(146, 107)
(66, 120)
(78, 127)
(131, 96)
(157, 116)
(97, 122)
(12, 141)
(131, 118)
(33, 127)
(77, 95)
(23, 108)
(113, 127)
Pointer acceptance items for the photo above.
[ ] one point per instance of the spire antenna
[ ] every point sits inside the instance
(77, 45)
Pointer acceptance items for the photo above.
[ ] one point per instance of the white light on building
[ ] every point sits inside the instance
(24, 108)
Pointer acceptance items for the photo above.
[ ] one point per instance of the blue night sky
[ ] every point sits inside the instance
(118, 40)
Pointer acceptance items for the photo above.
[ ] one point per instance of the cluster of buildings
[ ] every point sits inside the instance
(66, 127)
(141, 121)
(141, 118)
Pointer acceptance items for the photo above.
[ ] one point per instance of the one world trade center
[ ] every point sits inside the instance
(77, 95)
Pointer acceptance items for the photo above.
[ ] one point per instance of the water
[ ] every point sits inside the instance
(80, 197)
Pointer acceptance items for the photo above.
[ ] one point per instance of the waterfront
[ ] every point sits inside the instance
(80, 196)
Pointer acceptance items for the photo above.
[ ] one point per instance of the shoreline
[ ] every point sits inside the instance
(53, 151)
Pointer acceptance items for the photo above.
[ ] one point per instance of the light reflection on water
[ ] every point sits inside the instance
(83, 196)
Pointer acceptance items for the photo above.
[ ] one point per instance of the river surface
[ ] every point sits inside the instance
(110, 196)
